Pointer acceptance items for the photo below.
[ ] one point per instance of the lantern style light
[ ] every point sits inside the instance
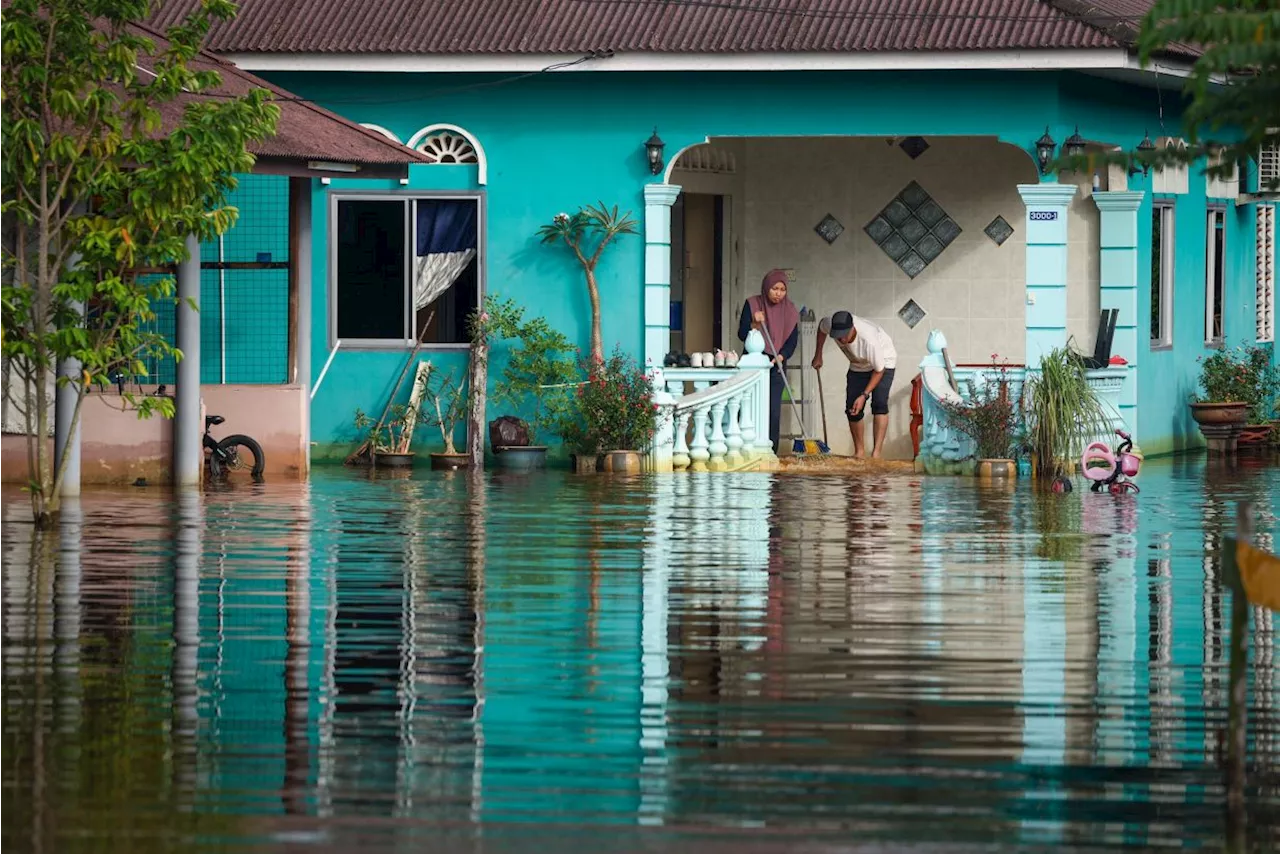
(1044, 150)
(1074, 146)
(653, 150)
(1145, 148)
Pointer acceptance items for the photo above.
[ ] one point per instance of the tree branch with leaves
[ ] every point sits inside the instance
(101, 180)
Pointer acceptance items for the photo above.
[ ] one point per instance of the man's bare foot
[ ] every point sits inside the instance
(858, 455)
(875, 455)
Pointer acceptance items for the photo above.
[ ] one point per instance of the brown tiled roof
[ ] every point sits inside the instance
(666, 26)
(304, 132)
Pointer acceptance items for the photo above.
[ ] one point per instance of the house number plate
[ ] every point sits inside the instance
(1044, 216)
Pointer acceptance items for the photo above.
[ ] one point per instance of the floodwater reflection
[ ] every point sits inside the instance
(745, 661)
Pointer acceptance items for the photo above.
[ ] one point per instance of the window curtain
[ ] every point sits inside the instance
(446, 236)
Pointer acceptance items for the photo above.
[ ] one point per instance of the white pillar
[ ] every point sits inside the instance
(300, 262)
(658, 199)
(187, 429)
(64, 412)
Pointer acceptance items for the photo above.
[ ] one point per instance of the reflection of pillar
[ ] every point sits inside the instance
(477, 530)
(1046, 229)
(1118, 265)
(297, 711)
(655, 669)
(1044, 724)
(189, 524)
(67, 615)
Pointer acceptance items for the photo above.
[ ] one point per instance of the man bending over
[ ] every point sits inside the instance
(872, 360)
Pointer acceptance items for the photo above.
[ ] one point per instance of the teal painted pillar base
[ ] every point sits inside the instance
(1118, 263)
(1046, 229)
(658, 199)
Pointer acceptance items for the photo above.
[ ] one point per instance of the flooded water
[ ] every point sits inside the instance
(717, 662)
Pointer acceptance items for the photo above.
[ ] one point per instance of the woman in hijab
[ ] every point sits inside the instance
(773, 311)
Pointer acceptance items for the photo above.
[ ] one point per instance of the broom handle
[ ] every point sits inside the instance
(822, 403)
(417, 345)
(782, 370)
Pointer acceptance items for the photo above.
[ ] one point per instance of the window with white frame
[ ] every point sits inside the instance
(1265, 295)
(404, 267)
(1215, 274)
(1162, 243)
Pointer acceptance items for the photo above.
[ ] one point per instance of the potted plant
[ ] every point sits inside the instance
(1248, 373)
(444, 404)
(538, 380)
(587, 234)
(390, 440)
(1226, 395)
(990, 418)
(613, 418)
(1063, 413)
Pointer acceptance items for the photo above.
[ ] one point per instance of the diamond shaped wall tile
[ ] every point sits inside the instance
(914, 146)
(878, 229)
(999, 230)
(895, 247)
(929, 248)
(946, 230)
(911, 314)
(929, 213)
(896, 213)
(912, 264)
(913, 230)
(914, 195)
(829, 229)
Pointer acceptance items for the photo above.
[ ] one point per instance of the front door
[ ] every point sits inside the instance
(697, 273)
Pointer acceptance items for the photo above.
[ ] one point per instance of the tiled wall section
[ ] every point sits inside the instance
(974, 292)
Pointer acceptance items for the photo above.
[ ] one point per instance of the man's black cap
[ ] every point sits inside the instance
(841, 323)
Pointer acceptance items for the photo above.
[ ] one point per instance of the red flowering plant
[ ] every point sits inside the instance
(613, 409)
(989, 416)
(1244, 374)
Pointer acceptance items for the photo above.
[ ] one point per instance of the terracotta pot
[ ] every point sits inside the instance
(586, 463)
(450, 462)
(382, 459)
(997, 469)
(622, 462)
(1220, 413)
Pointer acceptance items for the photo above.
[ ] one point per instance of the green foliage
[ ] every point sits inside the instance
(104, 175)
(1240, 43)
(989, 416)
(394, 434)
(444, 403)
(540, 374)
(614, 409)
(1062, 411)
(1242, 374)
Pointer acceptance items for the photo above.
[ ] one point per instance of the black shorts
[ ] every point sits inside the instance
(856, 383)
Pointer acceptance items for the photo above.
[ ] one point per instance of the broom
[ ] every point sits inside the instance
(366, 448)
(806, 445)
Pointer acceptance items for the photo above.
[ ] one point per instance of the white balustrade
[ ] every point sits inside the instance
(714, 428)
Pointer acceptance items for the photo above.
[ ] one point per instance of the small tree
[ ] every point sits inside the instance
(99, 183)
(587, 233)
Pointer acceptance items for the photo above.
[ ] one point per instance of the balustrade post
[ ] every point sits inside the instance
(717, 446)
(756, 360)
(680, 458)
(699, 452)
(733, 436)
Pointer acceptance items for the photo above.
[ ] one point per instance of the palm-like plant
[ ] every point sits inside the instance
(587, 233)
(1063, 412)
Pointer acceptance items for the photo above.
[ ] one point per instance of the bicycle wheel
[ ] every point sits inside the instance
(238, 454)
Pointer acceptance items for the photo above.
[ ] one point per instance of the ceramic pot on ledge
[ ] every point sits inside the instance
(1221, 424)
(996, 470)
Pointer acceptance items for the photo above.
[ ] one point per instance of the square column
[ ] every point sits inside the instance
(1046, 229)
(658, 199)
(188, 452)
(1118, 262)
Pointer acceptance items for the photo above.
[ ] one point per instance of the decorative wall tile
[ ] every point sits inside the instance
(911, 314)
(913, 230)
(999, 230)
(829, 229)
(914, 146)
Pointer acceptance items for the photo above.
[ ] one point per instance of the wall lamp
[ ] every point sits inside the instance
(1044, 150)
(653, 151)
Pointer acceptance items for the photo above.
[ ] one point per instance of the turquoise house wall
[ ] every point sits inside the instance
(558, 141)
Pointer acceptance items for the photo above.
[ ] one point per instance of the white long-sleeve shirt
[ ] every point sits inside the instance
(872, 349)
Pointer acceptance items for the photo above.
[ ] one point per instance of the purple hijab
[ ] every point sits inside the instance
(781, 319)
